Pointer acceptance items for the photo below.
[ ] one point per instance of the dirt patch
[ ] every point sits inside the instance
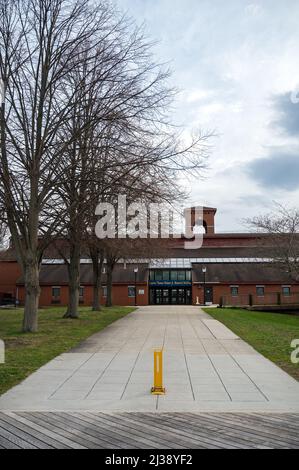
(14, 343)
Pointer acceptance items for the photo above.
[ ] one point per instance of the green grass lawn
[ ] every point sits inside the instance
(27, 352)
(270, 334)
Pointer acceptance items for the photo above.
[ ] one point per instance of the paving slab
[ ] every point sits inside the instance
(207, 368)
(219, 331)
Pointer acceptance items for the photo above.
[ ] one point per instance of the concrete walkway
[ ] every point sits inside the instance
(207, 368)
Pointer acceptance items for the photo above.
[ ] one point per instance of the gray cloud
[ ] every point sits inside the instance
(280, 170)
(229, 58)
(288, 119)
(259, 200)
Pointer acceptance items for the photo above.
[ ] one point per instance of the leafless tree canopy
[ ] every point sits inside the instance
(84, 117)
(282, 228)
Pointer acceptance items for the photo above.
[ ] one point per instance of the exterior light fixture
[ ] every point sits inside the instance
(204, 270)
(135, 273)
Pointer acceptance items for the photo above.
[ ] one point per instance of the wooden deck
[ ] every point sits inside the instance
(148, 431)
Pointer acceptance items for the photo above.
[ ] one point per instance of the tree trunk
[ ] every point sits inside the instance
(109, 286)
(74, 284)
(97, 263)
(32, 291)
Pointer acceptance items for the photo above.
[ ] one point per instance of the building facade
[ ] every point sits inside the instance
(229, 269)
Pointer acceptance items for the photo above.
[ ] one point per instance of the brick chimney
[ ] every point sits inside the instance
(208, 219)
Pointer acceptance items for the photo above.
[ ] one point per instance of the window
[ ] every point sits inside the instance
(172, 275)
(260, 291)
(286, 291)
(131, 291)
(234, 291)
(56, 293)
(81, 295)
(104, 288)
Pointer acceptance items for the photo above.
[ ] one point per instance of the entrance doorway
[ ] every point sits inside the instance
(209, 294)
(171, 296)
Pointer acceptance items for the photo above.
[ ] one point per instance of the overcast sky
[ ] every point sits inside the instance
(237, 64)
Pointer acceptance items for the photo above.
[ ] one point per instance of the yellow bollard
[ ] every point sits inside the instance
(158, 388)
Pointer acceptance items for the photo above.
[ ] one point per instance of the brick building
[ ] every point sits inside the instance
(230, 269)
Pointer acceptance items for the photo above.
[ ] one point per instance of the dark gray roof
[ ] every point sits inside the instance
(218, 252)
(241, 273)
(57, 274)
(223, 273)
(8, 255)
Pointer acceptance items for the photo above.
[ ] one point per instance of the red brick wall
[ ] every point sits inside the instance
(10, 272)
(208, 219)
(244, 291)
(232, 241)
(119, 295)
(218, 241)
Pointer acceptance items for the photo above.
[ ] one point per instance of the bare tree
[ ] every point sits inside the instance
(83, 101)
(97, 255)
(282, 240)
(122, 142)
(39, 44)
(3, 235)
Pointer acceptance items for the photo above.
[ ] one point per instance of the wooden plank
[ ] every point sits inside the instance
(231, 429)
(251, 433)
(63, 431)
(30, 420)
(158, 434)
(124, 439)
(154, 439)
(274, 435)
(277, 421)
(148, 430)
(283, 421)
(5, 444)
(46, 440)
(15, 440)
(200, 438)
(145, 437)
(214, 431)
(214, 440)
(172, 433)
(227, 433)
(89, 431)
(276, 430)
(25, 436)
(131, 440)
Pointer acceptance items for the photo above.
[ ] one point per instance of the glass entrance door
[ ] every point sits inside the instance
(165, 296)
(181, 297)
(188, 296)
(158, 296)
(172, 296)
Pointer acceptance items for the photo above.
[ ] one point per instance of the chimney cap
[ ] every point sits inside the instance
(205, 209)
